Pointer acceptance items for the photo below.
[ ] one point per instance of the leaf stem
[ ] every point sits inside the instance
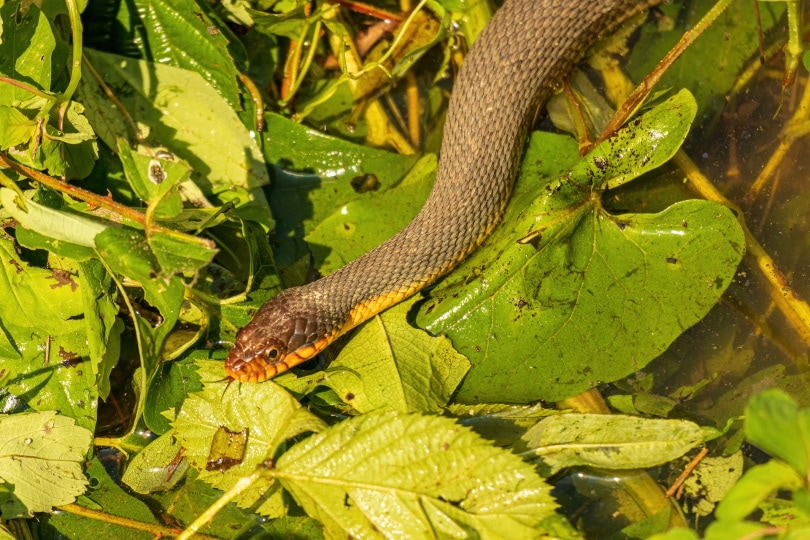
(157, 530)
(637, 97)
(73, 191)
(76, 60)
(27, 87)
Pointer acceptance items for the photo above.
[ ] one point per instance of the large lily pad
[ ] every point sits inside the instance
(587, 297)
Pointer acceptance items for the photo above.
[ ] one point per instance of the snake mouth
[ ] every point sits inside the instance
(259, 368)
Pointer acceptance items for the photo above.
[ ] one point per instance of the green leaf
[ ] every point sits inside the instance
(181, 34)
(158, 467)
(724, 530)
(168, 389)
(42, 315)
(594, 296)
(25, 50)
(126, 252)
(15, 127)
(676, 534)
(151, 176)
(389, 365)
(41, 456)
(774, 423)
(609, 441)
(756, 485)
(500, 422)
(104, 328)
(184, 114)
(57, 225)
(177, 253)
(413, 476)
(265, 413)
(304, 160)
(361, 225)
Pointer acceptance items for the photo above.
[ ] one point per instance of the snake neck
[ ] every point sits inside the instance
(519, 58)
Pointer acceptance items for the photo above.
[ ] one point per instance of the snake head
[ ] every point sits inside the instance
(280, 336)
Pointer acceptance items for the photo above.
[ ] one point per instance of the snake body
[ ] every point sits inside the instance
(514, 66)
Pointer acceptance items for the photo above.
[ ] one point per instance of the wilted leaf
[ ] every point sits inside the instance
(609, 441)
(711, 480)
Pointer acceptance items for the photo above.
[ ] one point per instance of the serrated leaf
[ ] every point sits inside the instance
(392, 474)
(268, 413)
(609, 441)
(42, 314)
(41, 456)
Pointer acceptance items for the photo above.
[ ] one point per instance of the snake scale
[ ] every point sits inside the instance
(513, 67)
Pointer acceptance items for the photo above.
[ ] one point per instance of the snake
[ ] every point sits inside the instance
(514, 66)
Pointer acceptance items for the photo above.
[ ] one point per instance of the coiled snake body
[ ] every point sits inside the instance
(525, 51)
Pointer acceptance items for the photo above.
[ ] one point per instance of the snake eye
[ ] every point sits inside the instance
(271, 353)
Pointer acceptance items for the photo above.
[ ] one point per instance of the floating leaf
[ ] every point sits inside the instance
(609, 441)
(41, 457)
(413, 476)
(589, 297)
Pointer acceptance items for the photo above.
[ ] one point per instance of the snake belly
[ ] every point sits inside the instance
(513, 67)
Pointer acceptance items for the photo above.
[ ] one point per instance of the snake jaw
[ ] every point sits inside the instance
(278, 338)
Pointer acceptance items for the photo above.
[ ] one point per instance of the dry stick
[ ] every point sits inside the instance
(157, 530)
(256, 97)
(634, 101)
(136, 134)
(789, 135)
(412, 95)
(686, 472)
